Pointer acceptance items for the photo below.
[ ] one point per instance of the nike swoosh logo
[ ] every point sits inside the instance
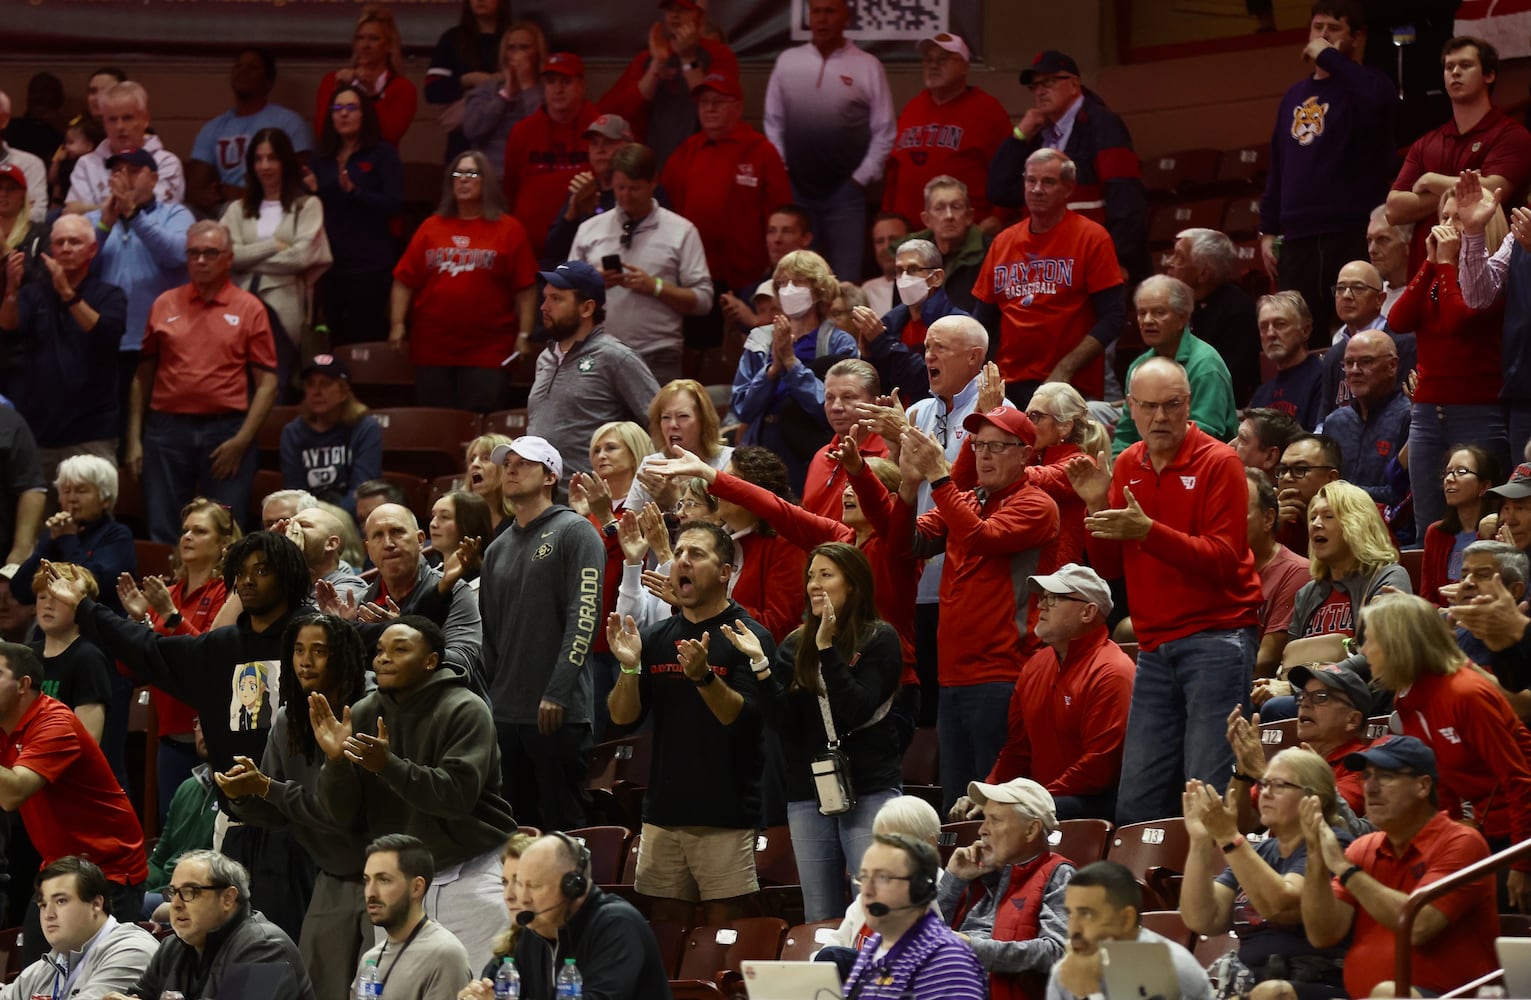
(171, 319)
(1134, 482)
(547, 534)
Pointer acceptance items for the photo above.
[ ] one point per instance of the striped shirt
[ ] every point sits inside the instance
(928, 962)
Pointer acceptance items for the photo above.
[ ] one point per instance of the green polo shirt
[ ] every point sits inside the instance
(1212, 404)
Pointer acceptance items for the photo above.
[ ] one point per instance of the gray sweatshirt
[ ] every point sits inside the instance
(433, 967)
(110, 962)
(599, 380)
(540, 595)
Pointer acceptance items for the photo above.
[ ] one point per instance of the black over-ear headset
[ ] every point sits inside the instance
(925, 863)
(576, 883)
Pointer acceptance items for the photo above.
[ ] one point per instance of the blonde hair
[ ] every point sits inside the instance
(805, 265)
(1365, 534)
(1414, 637)
(1062, 401)
(380, 15)
(516, 846)
(632, 437)
(1497, 228)
(886, 472)
(539, 41)
(69, 571)
(1315, 775)
(711, 440)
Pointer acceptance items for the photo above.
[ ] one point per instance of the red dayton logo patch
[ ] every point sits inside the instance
(847, 81)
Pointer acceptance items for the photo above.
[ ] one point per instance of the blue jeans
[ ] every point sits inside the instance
(970, 730)
(1278, 709)
(1177, 727)
(178, 466)
(828, 847)
(1435, 429)
(839, 227)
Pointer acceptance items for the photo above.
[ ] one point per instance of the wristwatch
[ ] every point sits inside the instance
(707, 678)
(1241, 776)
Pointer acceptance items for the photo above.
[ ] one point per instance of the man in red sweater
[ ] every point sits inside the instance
(848, 382)
(546, 149)
(1068, 714)
(994, 537)
(1171, 520)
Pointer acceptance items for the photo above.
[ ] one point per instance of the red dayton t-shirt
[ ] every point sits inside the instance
(541, 158)
(465, 274)
(81, 810)
(1042, 283)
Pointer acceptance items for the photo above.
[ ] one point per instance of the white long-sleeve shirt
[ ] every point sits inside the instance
(91, 182)
(830, 117)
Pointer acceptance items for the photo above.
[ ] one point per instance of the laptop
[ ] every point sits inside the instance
(790, 980)
(1138, 970)
(1515, 958)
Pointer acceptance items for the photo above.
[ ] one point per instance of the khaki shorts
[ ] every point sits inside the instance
(696, 863)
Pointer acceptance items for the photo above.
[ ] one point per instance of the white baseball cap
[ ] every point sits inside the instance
(533, 449)
(948, 41)
(1023, 792)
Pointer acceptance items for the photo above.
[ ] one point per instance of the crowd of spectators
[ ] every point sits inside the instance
(924, 500)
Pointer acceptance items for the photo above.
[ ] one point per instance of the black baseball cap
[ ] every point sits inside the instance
(326, 364)
(1047, 63)
(1337, 678)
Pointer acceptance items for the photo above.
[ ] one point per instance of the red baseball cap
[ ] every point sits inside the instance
(14, 173)
(696, 5)
(564, 64)
(724, 83)
(1006, 418)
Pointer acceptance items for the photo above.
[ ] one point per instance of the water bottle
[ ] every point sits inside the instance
(507, 982)
(571, 985)
(368, 985)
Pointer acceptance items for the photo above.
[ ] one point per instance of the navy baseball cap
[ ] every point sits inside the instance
(1395, 753)
(326, 364)
(577, 276)
(135, 157)
(1336, 678)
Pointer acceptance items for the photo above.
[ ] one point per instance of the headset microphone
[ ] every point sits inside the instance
(883, 909)
(525, 917)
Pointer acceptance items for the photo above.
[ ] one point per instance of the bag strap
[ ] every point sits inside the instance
(829, 723)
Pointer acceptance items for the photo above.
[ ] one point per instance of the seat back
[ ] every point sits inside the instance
(426, 441)
(1167, 924)
(695, 989)
(775, 864)
(608, 850)
(804, 941)
(1277, 736)
(154, 558)
(1150, 851)
(511, 423)
(922, 759)
(1082, 841)
(380, 375)
(671, 938)
(955, 835)
(711, 949)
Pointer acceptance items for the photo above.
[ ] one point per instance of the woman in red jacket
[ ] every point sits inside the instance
(1482, 749)
(376, 68)
(1469, 475)
(186, 607)
(1064, 429)
(1457, 397)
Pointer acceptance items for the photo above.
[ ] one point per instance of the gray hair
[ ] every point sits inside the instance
(302, 498)
(1514, 566)
(210, 226)
(1212, 250)
(1405, 229)
(924, 250)
(858, 369)
(129, 90)
(853, 294)
(221, 870)
(92, 471)
(1181, 298)
(1290, 300)
(908, 814)
(1068, 172)
(940, 181)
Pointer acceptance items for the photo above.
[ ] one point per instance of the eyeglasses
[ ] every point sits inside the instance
(1167, 406)
(1277, 785)
(881, 880)
(1360, 363)
(1319, 698)
(1037, 416)
(1050, 600)
(343, 108)
(1044, 82)
(191, 890)
(1297, 471)
(627, 232)
(518, 46)
(1352, 290)
(469, 175)
(996, 447)
(915, 270)
(204, 253)
(1457, 473)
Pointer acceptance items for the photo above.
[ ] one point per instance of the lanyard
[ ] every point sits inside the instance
(402, 949)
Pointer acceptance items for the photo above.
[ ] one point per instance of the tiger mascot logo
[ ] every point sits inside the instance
(1308, 121)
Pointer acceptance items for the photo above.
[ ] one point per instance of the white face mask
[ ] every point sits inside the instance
(794, 299)
(912, 289)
